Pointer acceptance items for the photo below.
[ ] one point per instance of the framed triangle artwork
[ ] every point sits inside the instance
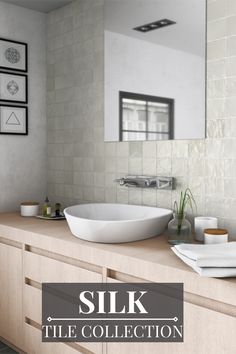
(13, 120)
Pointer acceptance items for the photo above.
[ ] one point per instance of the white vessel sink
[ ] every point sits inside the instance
(116, 223)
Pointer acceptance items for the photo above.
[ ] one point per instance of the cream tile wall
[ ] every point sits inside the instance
(81, 167)
(23, 158)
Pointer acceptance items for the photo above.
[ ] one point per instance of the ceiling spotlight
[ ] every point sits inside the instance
(144, 29)
(154, 25)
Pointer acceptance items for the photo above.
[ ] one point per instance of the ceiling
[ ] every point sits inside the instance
(39, 5)
(188, 34)
(122, 16)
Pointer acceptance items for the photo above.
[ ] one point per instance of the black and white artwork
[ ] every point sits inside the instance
(13, 55)
(13, 120)
(13, 87)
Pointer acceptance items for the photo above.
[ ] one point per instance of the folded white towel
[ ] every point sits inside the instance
(217, 255)
(218, 260)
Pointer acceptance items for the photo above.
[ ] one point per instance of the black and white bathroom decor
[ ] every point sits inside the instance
(13, 87)
(13, 120)
(13, 55)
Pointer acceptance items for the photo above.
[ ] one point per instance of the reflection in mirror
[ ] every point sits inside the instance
(145, 117)
(154, 69)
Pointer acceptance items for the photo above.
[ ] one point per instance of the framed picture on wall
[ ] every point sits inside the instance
(13, 55)
(13, 120)
(13, 87)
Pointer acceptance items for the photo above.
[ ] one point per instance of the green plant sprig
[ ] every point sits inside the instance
(186, 198)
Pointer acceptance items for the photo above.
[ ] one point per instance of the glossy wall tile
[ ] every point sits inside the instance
(82, 167)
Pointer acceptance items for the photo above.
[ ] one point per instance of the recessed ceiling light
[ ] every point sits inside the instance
(144, 29)
(154, 25)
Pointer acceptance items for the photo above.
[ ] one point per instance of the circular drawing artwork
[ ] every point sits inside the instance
(12, 87)
(12, 55)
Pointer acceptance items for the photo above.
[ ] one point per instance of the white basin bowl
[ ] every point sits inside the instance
(116, 223)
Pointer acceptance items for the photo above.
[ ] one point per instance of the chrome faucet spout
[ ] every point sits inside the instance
(147, 182)
(124, 181)
(163, 184)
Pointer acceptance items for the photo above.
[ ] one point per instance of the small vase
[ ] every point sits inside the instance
(179, 230)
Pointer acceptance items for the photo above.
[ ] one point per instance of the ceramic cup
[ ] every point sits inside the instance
(213, 236)
(29, 209)
(201, 223)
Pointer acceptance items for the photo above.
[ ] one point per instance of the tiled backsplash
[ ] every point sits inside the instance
(82, 167)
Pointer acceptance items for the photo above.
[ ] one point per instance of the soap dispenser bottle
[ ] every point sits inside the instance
(47, 210)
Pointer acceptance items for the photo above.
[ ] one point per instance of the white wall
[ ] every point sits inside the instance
(138, 66)
(23, 158)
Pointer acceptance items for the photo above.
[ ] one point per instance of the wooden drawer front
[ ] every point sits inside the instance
(36, 346)
(11, 294)
(205, 331)
(33, 311)
(33, 303)
(43, 269)
(111, 280)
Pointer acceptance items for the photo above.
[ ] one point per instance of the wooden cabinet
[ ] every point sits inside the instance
(36, 346)
(29, 258)
(205, 331)
(38, 269)
(11, 319)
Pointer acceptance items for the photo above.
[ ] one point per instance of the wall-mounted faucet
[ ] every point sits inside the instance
(166, 183)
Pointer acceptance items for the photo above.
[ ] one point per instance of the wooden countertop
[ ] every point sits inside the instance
(150, 259)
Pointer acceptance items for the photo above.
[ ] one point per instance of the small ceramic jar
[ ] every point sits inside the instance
(29, 209)
(212, 236)
(201, 223)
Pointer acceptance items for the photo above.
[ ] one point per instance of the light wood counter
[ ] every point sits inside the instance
(34, 251)
(150, 260)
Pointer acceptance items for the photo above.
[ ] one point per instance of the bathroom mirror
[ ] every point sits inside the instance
(155, 69)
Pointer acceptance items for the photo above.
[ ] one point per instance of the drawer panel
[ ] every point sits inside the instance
(34, 344)
(33, 311)
(115, 281)
(205, 331)
(43, 269)
(33, 303)
(11, 294)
